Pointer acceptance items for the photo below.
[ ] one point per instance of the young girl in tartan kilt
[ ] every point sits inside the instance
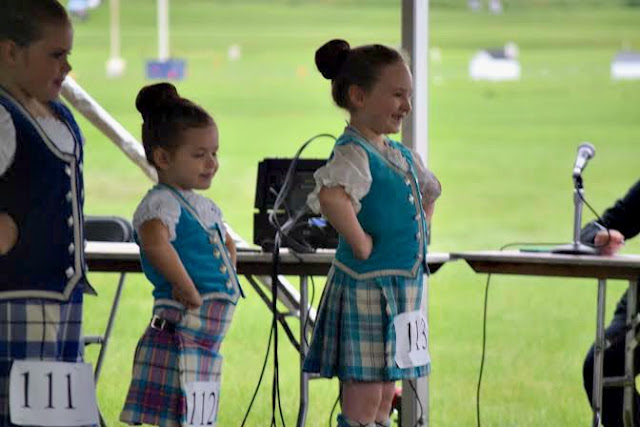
(379, 197)
(42, 266)
(190, 259)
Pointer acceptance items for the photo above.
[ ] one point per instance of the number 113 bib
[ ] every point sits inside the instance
(412, 343)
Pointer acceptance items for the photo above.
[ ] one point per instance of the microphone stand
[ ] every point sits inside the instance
(576, 247)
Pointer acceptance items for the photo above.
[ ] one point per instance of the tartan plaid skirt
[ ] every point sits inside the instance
(354, 336)
(165, 362)
(38, 329)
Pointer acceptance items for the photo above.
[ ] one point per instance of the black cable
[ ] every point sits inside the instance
(282, 230)
(484, 321)
(484, 344)
(279, 395)
(275, 386)
(274, 324)
(274, 288)
(486, 295)
(333, 409)
(598, 220)
(282, 194)
(264, 366)
(273, 191)
(589, 206)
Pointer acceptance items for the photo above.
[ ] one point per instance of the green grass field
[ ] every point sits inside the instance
(503, 152)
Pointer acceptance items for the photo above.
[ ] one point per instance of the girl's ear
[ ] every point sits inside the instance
(161, 158)
(356, 96)
(8, 52)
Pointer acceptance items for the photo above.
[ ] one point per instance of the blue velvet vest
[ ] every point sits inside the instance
(203, 254)
(43, 192)
(391, 214)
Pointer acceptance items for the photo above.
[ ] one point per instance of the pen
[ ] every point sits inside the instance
(603, 228)
(600, 226)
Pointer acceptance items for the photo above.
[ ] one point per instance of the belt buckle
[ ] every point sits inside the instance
(158, 323)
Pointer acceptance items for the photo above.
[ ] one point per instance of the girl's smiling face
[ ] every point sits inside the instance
(381, 110)
(193, 163)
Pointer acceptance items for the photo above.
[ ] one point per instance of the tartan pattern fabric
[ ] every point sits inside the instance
(38, 329)
(165, 362)
(354, 337)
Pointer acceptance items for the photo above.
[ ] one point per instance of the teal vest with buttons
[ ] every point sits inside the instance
(203, 254)
(391, 214)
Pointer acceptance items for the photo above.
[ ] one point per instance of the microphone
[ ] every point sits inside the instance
(585, 152)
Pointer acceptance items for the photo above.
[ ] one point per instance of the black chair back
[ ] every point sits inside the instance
(107, 229)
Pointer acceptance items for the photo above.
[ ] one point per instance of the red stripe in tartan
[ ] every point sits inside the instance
(156, 395)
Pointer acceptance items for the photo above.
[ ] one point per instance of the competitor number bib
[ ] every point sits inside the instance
(202, 403)
(411, 339)
(46, 393)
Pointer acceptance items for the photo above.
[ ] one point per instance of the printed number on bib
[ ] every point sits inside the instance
(52, 394)
(202, 403)
(411, 339)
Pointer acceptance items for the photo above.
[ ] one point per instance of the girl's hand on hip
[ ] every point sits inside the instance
(189, 297)
(8, 234)
(363, 249)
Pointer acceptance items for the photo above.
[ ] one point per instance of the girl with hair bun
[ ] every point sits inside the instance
(189, 258)
(378, 195)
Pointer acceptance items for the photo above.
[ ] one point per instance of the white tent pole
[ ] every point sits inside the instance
(103, 121)
(115, 64)
(415, 41)
(115, 28)
(163, 30)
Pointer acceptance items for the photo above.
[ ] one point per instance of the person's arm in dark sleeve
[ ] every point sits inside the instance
(623, 216)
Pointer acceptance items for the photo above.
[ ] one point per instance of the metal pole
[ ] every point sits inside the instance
(163, 30)
(578, 192)
(415, 392)
(107, 332)
(415, 41)
(599, 355)
(115, 64)
(575, 247)
(304, 377)
(630, 347)
(114, 44)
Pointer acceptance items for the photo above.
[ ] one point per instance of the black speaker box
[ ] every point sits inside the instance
(311, 231)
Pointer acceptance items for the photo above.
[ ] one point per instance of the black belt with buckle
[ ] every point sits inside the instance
(161, 324)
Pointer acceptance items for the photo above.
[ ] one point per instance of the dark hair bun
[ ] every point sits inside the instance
(156, 97)
(331, 56)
